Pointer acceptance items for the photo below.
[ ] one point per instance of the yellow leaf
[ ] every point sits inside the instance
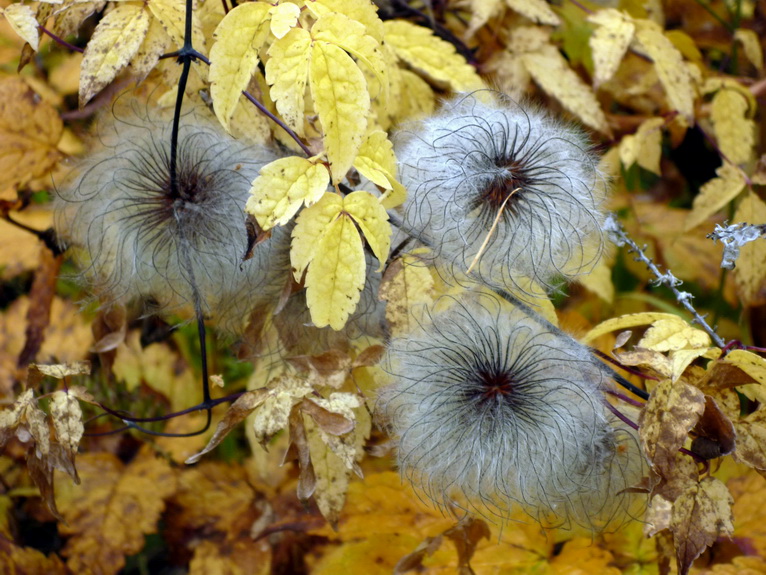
(599, 281)
(751, 264)
(418, 98)
(283, 18)
(336, 275)
(407, 284)
(351, 36)
(537, 10)
(437, 59)
(715, 194)
(627, 322)
(115, 41)
(645, 147)
(481, 12)
(153, 46)
(364, 12)
(609, 42)
(700, 516)
(311, 225)
(372, 218)
(580, 556)
(22, 20)
(751, 45)
(673, 333)
(172, 15)
(283, 186)
(670, 66)
(376, 162)
(287, 72)
(734, 130)
(234, 56)
(552, 72)
(342, 103)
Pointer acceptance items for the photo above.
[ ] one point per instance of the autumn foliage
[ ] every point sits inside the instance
(335, 286)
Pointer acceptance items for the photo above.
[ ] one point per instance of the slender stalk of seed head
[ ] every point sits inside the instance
(471, 159)
(490, 407)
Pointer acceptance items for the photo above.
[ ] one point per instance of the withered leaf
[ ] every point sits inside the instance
(63, 370)
(332, 415)
(67, 420)
(700, 516)
(283, 393)
(751, 439)
(41, 473)
(299, 449)
(466, 535)
(237, 412)
(715, 435)
(672, 411)
(117, 505)
(414, 561)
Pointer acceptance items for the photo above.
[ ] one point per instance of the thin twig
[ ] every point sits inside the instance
(618, 235)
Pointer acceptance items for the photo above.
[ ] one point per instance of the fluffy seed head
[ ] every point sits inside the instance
(495, 411)
(506, 185)
(138, 237)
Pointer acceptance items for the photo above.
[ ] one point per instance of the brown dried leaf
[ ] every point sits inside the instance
(40, 302)
(237, 412)
(679, 477)
(67, 420)
(466, 535)
(117, 505)
(284, 392)
(414, 561)
(41, 473)
(29, 132)
(715, 435)
(60, 371)
(700, 516)
(370, 356)
(330, 368)
(328, 421)
(299, 449)
(672, 411)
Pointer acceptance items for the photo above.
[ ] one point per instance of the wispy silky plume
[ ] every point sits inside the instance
(136, 236)
(496, 413)
(503, 189)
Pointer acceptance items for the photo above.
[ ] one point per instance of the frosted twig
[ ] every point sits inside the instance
(618, 236)
(734, 237)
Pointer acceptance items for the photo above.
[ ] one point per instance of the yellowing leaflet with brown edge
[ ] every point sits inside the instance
(342, 103)
(670, 66)
(419, 48)
(283, 186)
(309, 228)
(234, 56)
(609, 42)
(734, 130)
(22, 20)
(115, 41)
(715, 194)
(376, 162)
(153, 46)
(287, 73)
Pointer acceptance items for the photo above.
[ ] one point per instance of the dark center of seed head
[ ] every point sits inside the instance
(494, 385)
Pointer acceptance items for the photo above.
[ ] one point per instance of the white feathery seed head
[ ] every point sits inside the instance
(504, 189)
(135, 238)
(495, 413)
